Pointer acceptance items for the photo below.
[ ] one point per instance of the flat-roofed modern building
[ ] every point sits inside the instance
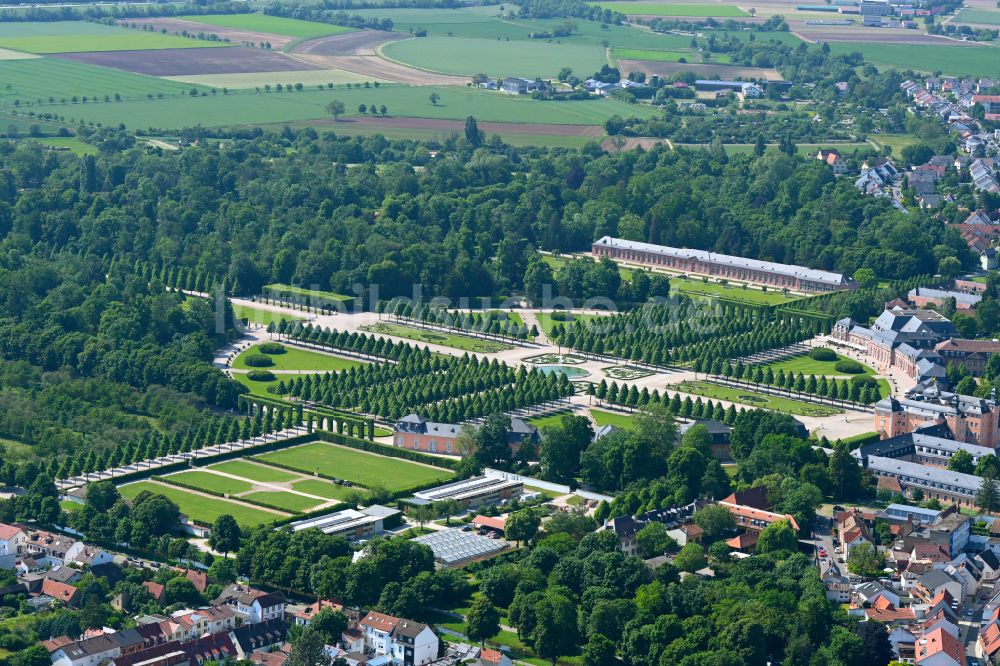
(722, 266)
(453, 548)
(917, 513)
(351, 524)
(472, 492)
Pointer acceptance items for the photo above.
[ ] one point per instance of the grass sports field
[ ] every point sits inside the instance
(810, 366)
(410, 101)
(458, 55)
(366, 469)
(956, 60)
(276, 25)
(682, 9)
(298, 359)
(203, 508)
(754, 399)
(79, 36)
(58, 81)
(434, 337)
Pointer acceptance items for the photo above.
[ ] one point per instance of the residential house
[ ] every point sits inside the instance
(48, 548)
(940, 648)
(832, 159)
(405, 641)
(98, 649)
(929, 585)
(418, 434)
(870, 592)
(156, 590)
(253, 605)
(303, 616)
(61, 592)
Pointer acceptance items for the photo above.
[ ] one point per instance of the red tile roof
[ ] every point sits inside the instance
(379, 622)
(155, 589)
(8, 532)
(937, 642)
(57, 590)
(197, 578)
(758, 515)
(492, 656)
(487, 521)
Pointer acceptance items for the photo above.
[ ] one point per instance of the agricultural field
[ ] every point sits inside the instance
(466, 343)
(411, 101)
(957, 59)
(298, 359)
(69, 143)
(463, 56)
(677, 9)
(275, 25)
(666, 56)
(254, 80)
(204, 508)
(82, 36)
(361, 467)
(978, 16)
(754, 399)
(60, 84)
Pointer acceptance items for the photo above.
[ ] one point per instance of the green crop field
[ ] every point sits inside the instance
(753, 398)
(255, 80)
(254, 472)
(286, 501)
(326, 489)
(260, 315)
(202, 508)
(464, 56)
(810, 366)
(366, 469)
(407, 101)
(82, 36)
(667, 56)
(980, 16)
(438, 338)
(682, 9)
(211, 482)
(275, 25)
(958, 60)
(479, 22)
(45, 80)
(298, 359)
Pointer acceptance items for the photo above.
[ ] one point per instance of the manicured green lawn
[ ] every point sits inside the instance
(754, 399)
(895, 141)
(547, 323)
(366, 469)
(465, 56)
(286, 289)
(209, 481)
(286, 501)
(549, 419)
(257, 388)
(736, 292)
(673, 9)
(69, 506)
(254, 472)
(957, 59)
(82, 36)
(810, 366)
(326, 489)
(261, 316)
(202, 508)
(623, 421)
(298, 359)
(447, 339)
(43, 79)
(276, 25)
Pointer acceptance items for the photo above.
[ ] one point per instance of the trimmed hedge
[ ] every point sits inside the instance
(849, 367)
(272, 348)
(864, 380)
(258, 360)
(215, 493)
(822, 354)
(261, 376)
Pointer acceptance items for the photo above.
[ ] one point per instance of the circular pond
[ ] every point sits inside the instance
(572, 373)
